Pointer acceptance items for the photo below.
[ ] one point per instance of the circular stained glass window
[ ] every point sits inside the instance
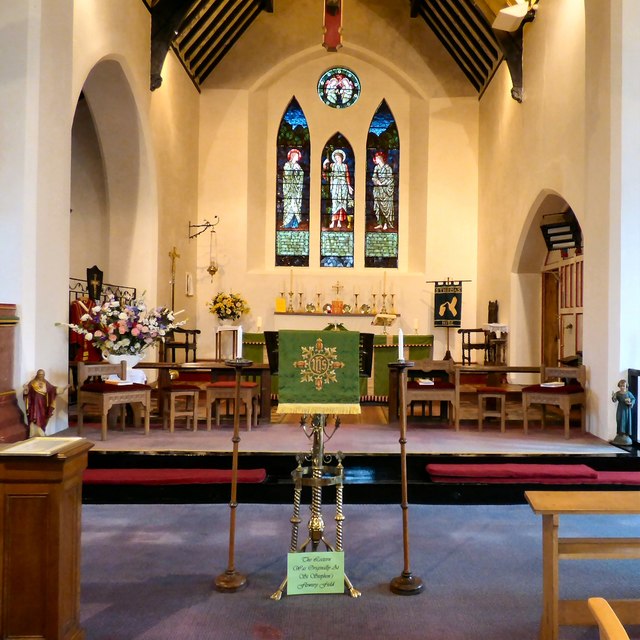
(339, 87)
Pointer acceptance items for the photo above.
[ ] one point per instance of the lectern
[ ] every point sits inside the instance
(40, 507)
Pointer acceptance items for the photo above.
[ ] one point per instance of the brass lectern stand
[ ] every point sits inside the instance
(316, 476)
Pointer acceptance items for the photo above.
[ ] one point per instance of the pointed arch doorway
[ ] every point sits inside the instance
(559, 270)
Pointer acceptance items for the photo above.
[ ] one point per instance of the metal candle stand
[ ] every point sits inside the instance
(316, 476)
(406, 583)
(231, 580)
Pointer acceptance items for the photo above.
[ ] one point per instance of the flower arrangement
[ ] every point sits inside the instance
(228, 306)
(125, 329)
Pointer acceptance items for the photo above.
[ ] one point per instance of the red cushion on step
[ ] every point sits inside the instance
(513, 470)
(170, 476)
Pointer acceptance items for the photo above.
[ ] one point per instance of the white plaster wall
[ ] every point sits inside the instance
(613, 197)
(116, 34)
(237, 182)
(35, 169)
(451, 217)
(50, 49)
(149, 144)
(527, 152)
(89, 213)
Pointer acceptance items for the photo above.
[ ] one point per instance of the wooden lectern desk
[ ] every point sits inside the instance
(40, 509)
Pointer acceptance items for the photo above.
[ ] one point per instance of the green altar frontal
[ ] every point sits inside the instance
(385, 350)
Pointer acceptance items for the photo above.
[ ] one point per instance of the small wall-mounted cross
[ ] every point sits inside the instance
(337, 286)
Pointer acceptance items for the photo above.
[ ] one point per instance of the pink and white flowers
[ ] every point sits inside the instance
(125, 329)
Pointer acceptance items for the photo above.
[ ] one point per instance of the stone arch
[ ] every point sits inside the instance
(113, 195)
(528, 263)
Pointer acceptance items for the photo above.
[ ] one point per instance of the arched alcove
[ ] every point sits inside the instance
(537, 289)
(113, 222)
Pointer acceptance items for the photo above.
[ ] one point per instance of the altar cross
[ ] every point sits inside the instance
(337, 286)
(173, 254)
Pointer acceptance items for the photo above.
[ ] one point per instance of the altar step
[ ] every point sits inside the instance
(369, 478)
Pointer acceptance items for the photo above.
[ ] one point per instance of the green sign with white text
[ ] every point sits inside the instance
(318, 572)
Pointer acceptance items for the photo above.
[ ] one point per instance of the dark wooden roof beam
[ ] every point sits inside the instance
(473, 78)
(242, 23)
(201, 29)
(219, 34)
(472, 71)
(449, 23)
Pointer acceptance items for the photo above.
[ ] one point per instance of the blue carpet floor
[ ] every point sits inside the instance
(147, 573)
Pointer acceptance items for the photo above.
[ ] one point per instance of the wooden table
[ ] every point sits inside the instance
(214, 368)
(495, 373)
(551, 505)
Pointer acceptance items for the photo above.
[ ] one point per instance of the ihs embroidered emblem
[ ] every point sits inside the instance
(318, 364)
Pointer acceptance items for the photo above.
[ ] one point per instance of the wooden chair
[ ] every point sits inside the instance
(570, 394)
(443, 388)
(181, 340)
(469, 345)
(105, 395)
(180, 401)
(610, 626)
(226, 390)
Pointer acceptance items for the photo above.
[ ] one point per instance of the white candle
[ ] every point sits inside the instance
(259, 323)
(400, 345)
(384, 282)
(290, 279)
(239, 343)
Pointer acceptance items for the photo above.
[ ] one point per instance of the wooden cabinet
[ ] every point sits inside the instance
(40, 508)
(12, 426)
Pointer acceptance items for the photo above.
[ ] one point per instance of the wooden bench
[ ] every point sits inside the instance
(551, 505)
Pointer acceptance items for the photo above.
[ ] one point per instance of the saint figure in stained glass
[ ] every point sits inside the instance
(340, 187)
(292, 189)
(337, 203)
(383, 171)
(383, 191)
(292, 183)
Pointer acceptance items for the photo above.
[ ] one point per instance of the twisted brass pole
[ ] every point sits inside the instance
(231, 580)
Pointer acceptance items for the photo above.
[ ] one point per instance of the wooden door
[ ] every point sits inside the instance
(550, 304)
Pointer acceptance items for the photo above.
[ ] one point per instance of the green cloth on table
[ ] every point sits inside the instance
(319, 372)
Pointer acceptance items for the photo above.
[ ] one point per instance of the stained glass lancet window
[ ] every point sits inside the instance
(336, 207)
(383, 167)
(292, 193)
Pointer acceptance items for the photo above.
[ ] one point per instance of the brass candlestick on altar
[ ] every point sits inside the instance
(406, 584)
(231, 580)
(290, 306)
(374, 310)
(318, 308)
(300, 302)
(355, 295)
(393, 304)
(384, 303)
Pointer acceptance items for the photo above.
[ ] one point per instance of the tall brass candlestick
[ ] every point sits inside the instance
(231, 580)
(406, 584)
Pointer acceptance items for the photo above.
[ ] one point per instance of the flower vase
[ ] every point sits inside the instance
(227, 322)
(131, 359)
